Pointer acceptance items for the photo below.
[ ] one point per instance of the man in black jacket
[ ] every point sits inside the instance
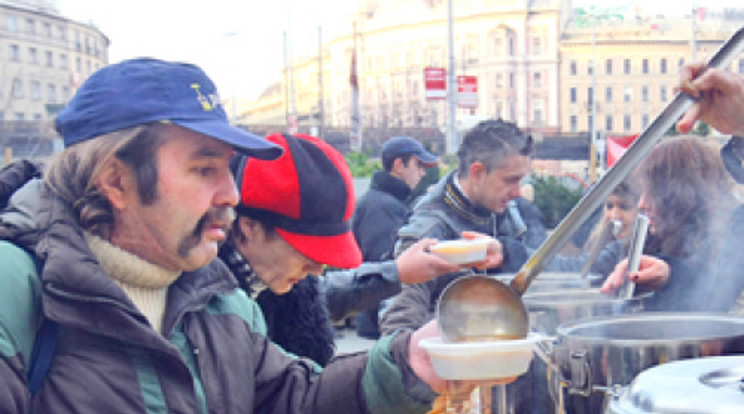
(383, 209)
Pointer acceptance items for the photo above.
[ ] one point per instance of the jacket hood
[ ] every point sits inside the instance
(17, 220)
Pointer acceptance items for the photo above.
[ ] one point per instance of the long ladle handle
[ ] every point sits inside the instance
(730, 49)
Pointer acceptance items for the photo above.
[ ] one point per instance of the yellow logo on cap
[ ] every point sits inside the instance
(207, 103)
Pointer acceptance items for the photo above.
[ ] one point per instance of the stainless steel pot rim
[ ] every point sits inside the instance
(571, 295)
(568, 329)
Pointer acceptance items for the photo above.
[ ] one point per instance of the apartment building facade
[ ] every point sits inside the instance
(44, 58)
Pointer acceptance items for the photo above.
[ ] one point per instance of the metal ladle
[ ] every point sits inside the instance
(481, 307)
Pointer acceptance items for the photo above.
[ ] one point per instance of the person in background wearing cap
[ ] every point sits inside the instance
(293, 218)
(125, 232)
(383, 209)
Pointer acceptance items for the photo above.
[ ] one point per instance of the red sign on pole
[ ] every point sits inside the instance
(435, 83)
(467, 91)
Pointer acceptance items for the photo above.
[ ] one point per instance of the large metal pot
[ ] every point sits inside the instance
(710, 385)
(597, 355)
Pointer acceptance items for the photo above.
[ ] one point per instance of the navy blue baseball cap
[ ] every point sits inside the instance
(144, 90)
(399, 146)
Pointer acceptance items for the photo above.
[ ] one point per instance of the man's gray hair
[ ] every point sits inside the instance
(491, 142)
(74, 173)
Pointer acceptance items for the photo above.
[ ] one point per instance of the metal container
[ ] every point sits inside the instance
(597, 355)
(553, 281)
(548, 309)
(710, 385)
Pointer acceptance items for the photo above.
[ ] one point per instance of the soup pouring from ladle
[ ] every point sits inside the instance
(476, 308)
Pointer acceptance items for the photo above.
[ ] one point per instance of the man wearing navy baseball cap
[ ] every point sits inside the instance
(123, 233)
(384, 208)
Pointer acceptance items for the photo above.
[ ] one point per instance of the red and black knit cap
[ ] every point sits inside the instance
(307, 194)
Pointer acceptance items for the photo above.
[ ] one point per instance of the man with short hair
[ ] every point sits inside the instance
(383, 209)
(125, 230)
(493, 159)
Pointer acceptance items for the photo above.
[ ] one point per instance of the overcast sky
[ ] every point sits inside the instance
(239, 43)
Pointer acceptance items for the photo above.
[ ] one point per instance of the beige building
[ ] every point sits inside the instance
(511, 46)
(637, 66)
(532, 60)
(44, 57)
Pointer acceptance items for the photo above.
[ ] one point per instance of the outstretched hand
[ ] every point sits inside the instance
(652, 274)
(417, 265)
(494, 251)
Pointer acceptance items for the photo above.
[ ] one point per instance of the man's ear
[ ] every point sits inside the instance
(398, 166)
(477, 170)
(116, 182)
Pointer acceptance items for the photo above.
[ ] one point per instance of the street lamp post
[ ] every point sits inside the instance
(451, 136)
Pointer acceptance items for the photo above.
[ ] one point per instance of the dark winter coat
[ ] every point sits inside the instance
(379, 213)
(213, 355)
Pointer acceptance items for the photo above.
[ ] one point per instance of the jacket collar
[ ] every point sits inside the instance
(383, 181)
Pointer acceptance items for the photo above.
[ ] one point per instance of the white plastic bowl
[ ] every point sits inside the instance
(462, 251)
(480, 360)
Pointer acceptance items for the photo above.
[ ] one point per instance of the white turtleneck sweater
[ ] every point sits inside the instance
(145, 283)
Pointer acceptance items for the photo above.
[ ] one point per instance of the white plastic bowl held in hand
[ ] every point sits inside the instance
(462, 251)
(490, 360)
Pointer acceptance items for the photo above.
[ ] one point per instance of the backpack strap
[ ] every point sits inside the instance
(45, 345)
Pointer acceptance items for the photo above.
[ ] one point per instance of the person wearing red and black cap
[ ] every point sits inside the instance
(293, 218)
(383, 209)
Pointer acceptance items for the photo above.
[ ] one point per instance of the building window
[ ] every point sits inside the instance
(499, 80)
(590, 67)
(33, 56)
(19, 116)
(663, 65)
(63, 61)
(37, 117)
(511, 80)
(645, 121)
(17, 89)
(572, 95)
(663, 93)
(65, 93)
(536, 45)
(681, 62)
(626, 123)
(627, 93)
(608, 123)
(61, 33)
(608, 94)
(31, 26)
(537, 80)
(52, 92)
(78, 64)
(510, 43)
(15, 53)
(12, 23)
(644, 93)
(537, 112)
(644, 66)
(78, 43)
(574, 121)
(35, 90)
(49, 59)
(626, 66)
(589, 95)
(47, 27)
(590, 122)
(572, 68)
(608, 66)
